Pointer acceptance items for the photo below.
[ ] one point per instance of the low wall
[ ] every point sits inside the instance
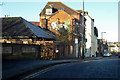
(20, 51)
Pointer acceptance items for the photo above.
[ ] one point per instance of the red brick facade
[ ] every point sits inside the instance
(62, 14)
(35, 23)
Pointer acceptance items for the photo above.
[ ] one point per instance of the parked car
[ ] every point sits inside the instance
(118, 54)
(107, 53)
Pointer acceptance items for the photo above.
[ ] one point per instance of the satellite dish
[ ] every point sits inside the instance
(54, 25)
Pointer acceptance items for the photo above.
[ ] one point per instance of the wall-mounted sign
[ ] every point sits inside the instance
(76, 40)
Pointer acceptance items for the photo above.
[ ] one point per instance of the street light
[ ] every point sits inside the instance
(83, 32)
(102, 34)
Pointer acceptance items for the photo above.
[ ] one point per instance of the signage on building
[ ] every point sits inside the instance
(76, 41)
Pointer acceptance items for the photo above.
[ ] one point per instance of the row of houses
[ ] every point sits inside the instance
(60, 32)
(114, 46)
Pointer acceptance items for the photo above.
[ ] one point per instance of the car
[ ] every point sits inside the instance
(117, 54)
(107, 54)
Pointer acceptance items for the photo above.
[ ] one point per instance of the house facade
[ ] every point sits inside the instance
(56, 15)
(91, 36)
(114, 46)
(99, 47)
(88, 34)
(102, 47)
(95, 44)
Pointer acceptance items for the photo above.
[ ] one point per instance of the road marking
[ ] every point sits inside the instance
(86, 61)
(91, 60)
(37, 73)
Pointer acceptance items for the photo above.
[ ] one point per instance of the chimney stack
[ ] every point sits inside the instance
(6, 16)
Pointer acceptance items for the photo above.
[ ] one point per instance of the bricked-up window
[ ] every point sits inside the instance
(48, 11)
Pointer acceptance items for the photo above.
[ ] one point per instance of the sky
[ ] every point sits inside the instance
(105, 13)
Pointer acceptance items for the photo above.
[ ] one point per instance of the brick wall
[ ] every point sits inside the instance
(62, 50)
(20, 51)
(35, 23)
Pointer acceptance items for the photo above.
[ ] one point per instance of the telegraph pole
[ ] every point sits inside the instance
(83, 26)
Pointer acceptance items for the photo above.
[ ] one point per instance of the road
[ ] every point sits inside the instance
(106, 68)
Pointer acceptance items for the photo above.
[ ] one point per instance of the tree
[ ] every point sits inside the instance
(63, 35)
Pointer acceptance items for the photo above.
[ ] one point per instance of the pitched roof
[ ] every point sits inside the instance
(17, 26)
(58, 6)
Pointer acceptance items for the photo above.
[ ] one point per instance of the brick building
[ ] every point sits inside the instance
(56, 15)
(35, 23)
(102, 46)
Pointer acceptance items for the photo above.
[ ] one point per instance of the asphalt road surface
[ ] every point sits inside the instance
(106, 68)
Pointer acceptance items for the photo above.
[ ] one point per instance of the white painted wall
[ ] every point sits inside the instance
(88, 36)
(76, 47)
(94, 42)
(95, 46)
(91, 38)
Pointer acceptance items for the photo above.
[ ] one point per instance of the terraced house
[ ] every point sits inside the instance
(58, 18)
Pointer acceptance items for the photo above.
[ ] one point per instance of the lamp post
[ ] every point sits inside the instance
(83, 26)
(102, 34)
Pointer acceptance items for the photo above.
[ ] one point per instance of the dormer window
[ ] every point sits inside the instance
(48, 11)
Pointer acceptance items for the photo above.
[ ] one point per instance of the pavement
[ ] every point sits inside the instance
(13, 69)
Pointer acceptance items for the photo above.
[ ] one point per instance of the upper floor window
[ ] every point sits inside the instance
(48, 11)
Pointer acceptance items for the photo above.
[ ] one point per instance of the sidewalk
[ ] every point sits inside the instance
(17, 68)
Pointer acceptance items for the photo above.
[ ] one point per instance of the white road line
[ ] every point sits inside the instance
(37, 73)
(86, 61)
